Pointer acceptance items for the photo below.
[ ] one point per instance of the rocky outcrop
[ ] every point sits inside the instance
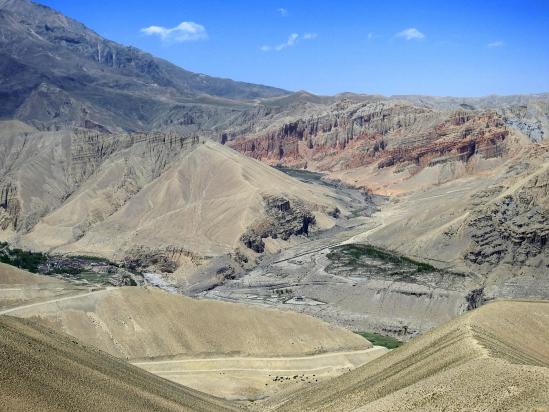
(283, 219)
(165, 260)
(513, 229)
(9, 206)
(352, 135)
(530, 118)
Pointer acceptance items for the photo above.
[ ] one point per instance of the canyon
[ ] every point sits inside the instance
(191, 198)
(221, 239)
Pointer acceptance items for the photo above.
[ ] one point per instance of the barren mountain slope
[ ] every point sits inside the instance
(483, 236)
(494, 358)
(43, 370)
(135, 323)
(202, 203)
(492, 222)
(466, 178)
(384, 132)
(115, 195)
(59, 73)
(229, 350)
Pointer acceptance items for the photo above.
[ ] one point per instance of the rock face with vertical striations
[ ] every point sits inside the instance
(129, 196)
(352, 135)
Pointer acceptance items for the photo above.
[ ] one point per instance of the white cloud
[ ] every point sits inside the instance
(292, 41)
(497, 43)
(185, 31)
(411, 34)
(282, 11)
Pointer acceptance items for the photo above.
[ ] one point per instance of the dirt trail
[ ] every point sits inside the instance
(506, 340)
(279, 358)
(240, 377)
(32, 305)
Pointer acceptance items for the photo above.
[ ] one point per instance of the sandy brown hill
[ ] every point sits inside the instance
(110, 195)
(135, 323)
(41, 370)
(203, 203)
(19, 287)
(10, 275)
(494, 358)
(224, 349)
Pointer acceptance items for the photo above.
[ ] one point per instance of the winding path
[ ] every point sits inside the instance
(32, 305)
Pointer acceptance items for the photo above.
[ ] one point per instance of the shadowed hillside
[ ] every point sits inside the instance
(46, 371)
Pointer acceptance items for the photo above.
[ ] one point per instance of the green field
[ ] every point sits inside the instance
(352, 254)
(381, 340)
(21, 258)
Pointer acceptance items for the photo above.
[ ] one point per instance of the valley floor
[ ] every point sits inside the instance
(256, 378)
(190, 342)
(304, 277)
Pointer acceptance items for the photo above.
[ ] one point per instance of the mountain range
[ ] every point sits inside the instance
(400, 218)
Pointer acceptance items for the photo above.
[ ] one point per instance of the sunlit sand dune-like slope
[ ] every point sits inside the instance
(41, 370)
(494, 358)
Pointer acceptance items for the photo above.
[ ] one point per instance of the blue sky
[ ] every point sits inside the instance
(459, 48)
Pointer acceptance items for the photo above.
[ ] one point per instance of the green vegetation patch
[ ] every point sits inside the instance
(381, 340)
(92, 259)
(22, 259)
(70, 267)
(352, 254)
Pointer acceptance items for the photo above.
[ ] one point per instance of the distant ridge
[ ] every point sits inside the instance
(48, 59)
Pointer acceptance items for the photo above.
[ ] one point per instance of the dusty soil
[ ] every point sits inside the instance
(19, 287)
(137, 323)
(257, 378)
(42, 370)
(229, 350)
(493, 358)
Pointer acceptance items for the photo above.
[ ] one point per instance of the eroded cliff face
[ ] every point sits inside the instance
(386, 134)
(282, 219)
(9, 206)
(42, 170)
(158, 200)
(530, 118)
(513, 229)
